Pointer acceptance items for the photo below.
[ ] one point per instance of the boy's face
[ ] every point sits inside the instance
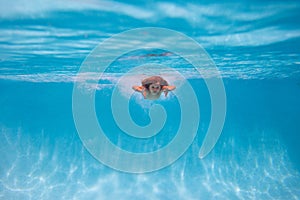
(154, 88)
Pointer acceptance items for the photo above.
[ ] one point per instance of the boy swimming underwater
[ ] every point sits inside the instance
(153, 86)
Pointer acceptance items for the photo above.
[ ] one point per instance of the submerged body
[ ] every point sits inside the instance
(153, 86)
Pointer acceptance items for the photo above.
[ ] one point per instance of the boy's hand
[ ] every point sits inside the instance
(144, 93)
(166, 92)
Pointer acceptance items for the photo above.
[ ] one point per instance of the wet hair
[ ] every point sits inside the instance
(147, 85)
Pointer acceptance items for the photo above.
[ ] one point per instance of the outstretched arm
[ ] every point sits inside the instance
(138, 88)
(168, 88)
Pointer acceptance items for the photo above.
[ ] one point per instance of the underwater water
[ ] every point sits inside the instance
(253, 44)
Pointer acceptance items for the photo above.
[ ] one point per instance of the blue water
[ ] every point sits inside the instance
(254, 44)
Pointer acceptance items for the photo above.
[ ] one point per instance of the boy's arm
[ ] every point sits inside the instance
(168, 88)
(138, 88)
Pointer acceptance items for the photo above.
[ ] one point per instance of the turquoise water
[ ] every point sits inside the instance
(255, 46)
